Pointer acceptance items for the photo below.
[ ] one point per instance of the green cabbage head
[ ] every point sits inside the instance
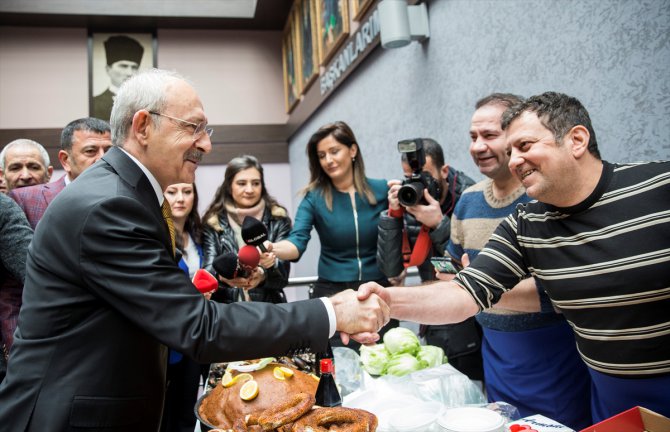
(401, 340)
(374, 358)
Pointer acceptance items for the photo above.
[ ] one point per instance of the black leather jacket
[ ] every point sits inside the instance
(389, 240)
(219, 237)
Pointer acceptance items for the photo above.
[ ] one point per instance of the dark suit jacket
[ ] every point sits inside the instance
(103, 297)
(34, 200)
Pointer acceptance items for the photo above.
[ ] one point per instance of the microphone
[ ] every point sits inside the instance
(204, 281)
(231, 266)
(249, 257)
(254, 232)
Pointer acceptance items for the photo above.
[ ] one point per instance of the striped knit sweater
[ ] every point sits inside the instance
(604, 262)
(476, 216)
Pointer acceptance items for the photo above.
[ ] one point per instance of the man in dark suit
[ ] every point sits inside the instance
(104, 296)
(83, 142)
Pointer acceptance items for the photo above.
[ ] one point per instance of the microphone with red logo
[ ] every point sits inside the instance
(204, 281)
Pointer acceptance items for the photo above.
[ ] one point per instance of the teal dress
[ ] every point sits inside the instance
(348, 234)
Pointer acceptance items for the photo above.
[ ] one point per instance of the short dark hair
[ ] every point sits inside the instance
(431, 148)
(557, 112)
(89, 124)
(504, 99)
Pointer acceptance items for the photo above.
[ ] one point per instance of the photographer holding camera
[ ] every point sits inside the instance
(416, 228)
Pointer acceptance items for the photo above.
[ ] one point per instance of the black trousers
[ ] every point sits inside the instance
(326, 288)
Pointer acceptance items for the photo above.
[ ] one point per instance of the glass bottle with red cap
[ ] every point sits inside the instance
(327, 394)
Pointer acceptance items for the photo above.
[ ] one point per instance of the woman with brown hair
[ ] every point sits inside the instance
(243, 193)
(343, 205)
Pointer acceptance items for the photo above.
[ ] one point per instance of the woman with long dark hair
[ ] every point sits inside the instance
(343, 205)
(243, 193)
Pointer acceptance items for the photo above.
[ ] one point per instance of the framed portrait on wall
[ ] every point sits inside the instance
(307, 43)
(291, 62)
(359, 7)
(332, 25)
(113, 58)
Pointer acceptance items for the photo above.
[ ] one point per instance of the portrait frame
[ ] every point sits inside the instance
(291, 62)
(333, 26)
(99, 79)
(359, 8)
(307, 43)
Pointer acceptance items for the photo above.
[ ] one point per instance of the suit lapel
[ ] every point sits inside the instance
(130, 173)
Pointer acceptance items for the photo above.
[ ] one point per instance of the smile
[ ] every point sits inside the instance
(527, 173)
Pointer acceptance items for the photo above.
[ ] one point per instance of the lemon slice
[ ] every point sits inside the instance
(249, 390)
(243, 377)
(288, 372)
(277, 373)
(227, 379)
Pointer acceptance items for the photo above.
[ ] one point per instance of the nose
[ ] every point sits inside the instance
(515, 160)
(204, 143)
(477, 145)
(25, 174)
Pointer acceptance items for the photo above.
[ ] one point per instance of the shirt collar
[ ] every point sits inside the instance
(154, 183)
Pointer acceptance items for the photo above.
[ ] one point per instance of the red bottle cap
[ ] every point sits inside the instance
(326, 366)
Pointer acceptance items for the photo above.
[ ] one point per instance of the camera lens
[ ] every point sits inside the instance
(411, 193)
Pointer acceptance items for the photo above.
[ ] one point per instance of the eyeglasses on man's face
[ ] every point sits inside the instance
(199, 128)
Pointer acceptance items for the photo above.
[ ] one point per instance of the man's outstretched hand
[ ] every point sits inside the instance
(358, 315)
(365, 292)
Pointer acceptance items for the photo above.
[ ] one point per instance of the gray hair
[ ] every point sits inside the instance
(25, 142)
(145, 90)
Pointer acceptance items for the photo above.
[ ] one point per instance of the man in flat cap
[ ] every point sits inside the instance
(124, 56)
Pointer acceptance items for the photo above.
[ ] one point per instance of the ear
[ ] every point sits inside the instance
(141, 128)
(64, 159)
(579, 138)
(50, 171)
(353, 150)
(445, 171)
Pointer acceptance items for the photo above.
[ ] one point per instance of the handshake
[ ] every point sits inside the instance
(361, 314)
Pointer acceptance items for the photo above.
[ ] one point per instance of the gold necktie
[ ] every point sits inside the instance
(167, 215)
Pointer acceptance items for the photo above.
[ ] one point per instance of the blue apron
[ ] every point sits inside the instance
(540, 372)
(612, 395)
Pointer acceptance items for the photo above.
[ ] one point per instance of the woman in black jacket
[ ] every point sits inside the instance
(242, 194)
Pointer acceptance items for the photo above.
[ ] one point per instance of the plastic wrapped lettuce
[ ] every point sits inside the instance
(431, 356)
(402, 364)
(400, 340)
(374, 358)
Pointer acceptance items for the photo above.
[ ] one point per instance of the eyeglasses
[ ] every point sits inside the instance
(200, 128)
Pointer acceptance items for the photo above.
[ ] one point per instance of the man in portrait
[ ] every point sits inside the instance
(124, 55)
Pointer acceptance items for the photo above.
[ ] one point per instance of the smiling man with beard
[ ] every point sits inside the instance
(597, 239)
(104, 296)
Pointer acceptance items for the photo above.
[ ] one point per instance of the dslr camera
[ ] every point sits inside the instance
(411, 191)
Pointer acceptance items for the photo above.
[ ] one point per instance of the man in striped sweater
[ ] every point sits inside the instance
(597, 239)
(551, 381)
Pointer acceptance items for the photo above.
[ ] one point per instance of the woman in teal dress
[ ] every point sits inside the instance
(343, 205)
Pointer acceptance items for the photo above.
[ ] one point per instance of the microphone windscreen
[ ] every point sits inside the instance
(253, 231)
(204, 281)
(226, 265)
(249, 256)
